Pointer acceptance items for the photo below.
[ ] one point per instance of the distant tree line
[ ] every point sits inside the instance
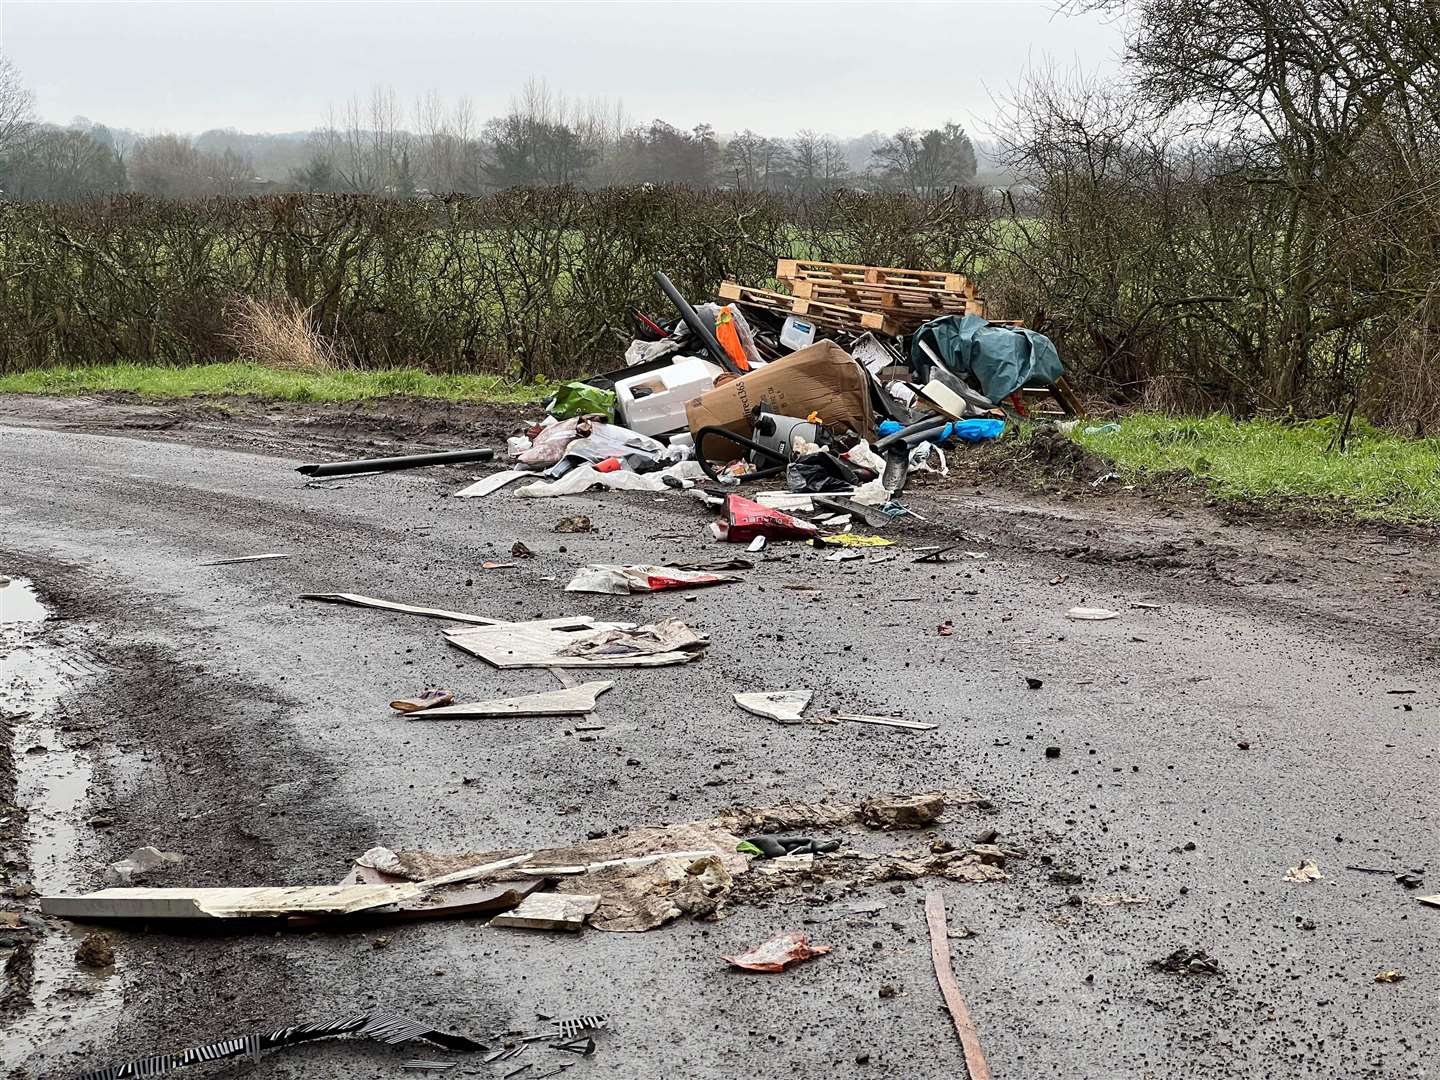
(378, 147)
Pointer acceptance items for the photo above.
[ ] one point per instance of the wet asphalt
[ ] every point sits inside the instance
(231, 722)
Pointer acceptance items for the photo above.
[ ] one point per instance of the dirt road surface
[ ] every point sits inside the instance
(1244, 719)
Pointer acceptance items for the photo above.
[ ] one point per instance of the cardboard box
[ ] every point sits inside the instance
(822, 378)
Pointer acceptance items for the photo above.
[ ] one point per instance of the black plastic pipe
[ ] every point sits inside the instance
(390, 464)
(697, 327)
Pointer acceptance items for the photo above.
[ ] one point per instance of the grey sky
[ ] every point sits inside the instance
(776, 67)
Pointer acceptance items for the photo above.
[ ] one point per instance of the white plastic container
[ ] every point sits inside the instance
(659, 407)
(797, 333)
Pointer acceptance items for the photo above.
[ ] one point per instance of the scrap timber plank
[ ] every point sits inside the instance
(975, 1062)
(253, 903)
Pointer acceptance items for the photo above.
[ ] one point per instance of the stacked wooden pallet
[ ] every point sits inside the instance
(907, 297)
(840, 316)
(887, 299)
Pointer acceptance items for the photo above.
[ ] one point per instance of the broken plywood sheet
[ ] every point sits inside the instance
(492, 483)
(475, 899)
(549, 911)
(571, 701)
(645, 877)
(253, 903)
(786, 706)
(560, 643)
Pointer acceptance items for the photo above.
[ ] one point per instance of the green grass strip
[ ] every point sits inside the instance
(1380, 475)
(254, 380)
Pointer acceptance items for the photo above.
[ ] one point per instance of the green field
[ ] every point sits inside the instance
(154, 380)
(1380, 475)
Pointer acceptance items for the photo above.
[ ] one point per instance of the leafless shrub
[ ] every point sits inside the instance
(280, 334)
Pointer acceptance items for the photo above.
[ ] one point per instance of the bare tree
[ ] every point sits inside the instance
(17, 108)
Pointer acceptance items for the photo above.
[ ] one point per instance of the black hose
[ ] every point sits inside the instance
(390, 464)
(697, 327)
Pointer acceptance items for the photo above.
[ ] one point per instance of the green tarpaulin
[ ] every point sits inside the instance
(1002, 358)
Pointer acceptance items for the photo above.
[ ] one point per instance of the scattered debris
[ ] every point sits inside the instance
(1430, 901)
(390, 605)
(857, 540)
(1187, 962)
(778, 953)
(381, 1025)
(786, 706)
(391, 464)
(903, 811)
(975, 1063)
(1306, 871)
(1034, 683)
(95, 951)
(945, 629)
(651, 875)
(1052, 752)
(549, 911)
(142, 861)
(1091, 614)
(569, 701)
(1119, 900)
(1409, 881)
(574, 523)
(246, 558)
(622, 580)
(520, 551)
(429, 698)
(1390, 976)
(777, 847)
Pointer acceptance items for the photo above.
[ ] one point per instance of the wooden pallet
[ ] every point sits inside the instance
(822, 312)
(1059, 400)
(852, 273)
(901, 304)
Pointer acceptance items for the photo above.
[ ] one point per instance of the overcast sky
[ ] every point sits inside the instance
(843, 68)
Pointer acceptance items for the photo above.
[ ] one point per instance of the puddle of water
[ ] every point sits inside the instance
(53, 784)
(19, 602)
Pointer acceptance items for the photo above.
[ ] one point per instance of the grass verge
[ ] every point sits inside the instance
(1379, 476)
(191, 380)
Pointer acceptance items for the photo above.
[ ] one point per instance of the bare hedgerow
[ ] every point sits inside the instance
(280, 334)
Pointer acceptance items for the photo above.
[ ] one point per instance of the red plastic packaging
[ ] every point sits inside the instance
(746, 519)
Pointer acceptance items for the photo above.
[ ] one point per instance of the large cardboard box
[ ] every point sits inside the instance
(822, 378)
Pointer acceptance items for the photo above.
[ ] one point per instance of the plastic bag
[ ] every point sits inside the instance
(582, 399)
(591, 440)
(677, 477)
(820, 472)
(623, 580)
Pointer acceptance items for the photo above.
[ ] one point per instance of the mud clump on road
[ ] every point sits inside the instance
(95, 951)
(1060, 455)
